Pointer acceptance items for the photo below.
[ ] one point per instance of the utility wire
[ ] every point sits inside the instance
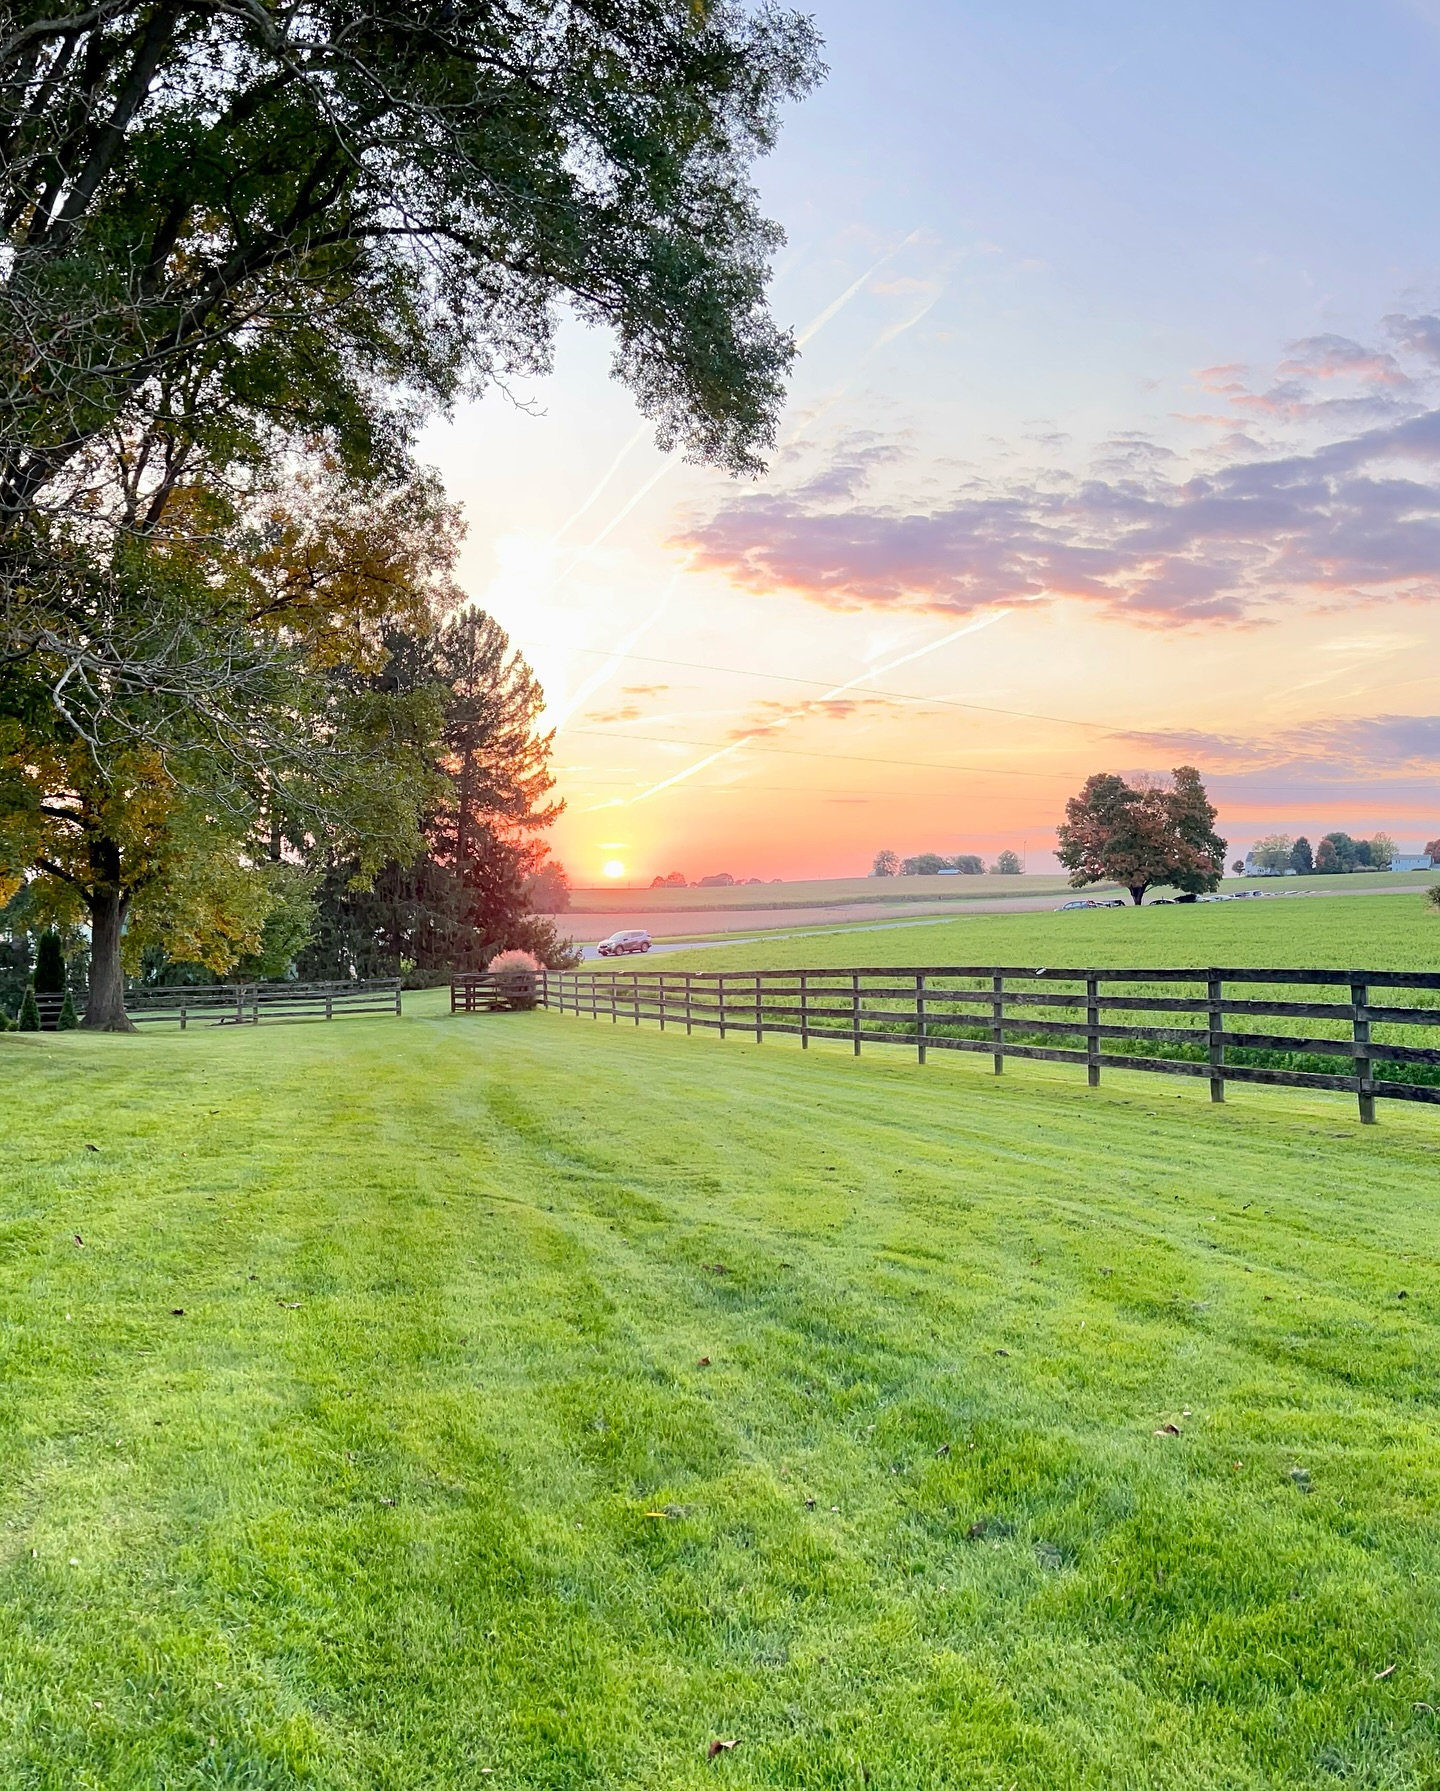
(736, 671)
(796, 752)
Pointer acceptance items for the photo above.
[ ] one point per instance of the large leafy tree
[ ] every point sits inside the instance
(140, 809)
(474, 887)
(1142, 836)
(225, 229)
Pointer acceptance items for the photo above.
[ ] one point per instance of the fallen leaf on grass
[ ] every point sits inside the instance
(79, 1240)
(177, 1312)
(387, 1501)
(714, 1268)
(721, 1747)
(1168, 1430)
(94, 1147)
(289, 1305)
(944, 1449)
(704, 1362)
(1385, 1674)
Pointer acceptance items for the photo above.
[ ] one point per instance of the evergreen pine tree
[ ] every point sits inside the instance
(69, 1019)
(49, 978)
(29, 1020)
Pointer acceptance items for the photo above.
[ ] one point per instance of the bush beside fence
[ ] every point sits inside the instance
(1291, 1027)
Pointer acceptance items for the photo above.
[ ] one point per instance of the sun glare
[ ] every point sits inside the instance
(613, 868)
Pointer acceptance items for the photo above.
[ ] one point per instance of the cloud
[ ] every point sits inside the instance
(1249, 532)
(769, 717)
(1344, 748)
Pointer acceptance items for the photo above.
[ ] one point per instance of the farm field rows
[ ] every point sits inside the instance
(388, 1401)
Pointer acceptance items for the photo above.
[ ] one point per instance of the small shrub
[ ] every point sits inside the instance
(68, 1019)
(29, 1020)
(1432, 895)
(515, 973)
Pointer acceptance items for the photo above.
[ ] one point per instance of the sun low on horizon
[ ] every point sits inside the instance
(1092, 460)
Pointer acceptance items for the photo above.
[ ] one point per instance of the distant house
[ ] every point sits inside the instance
(1258, 870)
(1411, 861)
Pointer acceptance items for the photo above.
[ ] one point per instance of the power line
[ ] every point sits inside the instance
(796, 752)
(736, 671)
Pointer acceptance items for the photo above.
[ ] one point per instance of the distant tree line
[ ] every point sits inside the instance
(1336, 855)
(932, 864)
(716, 880)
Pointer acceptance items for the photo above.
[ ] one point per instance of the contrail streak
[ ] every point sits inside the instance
(617, 658)
(817, 324)
(811, 329)
(876, 671)
(610, 473)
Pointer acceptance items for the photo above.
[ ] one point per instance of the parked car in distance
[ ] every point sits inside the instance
(1115, 904)
(1082, 904)
(619, 943)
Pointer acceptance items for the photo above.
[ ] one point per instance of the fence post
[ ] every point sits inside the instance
(804, 1010)
(660, 996)
(614, 1009)
(855, 1011)
(635, 993)
(759, 1018)
(1092, 1031)
(398, 992)
(240, 1004)
(720, 992)
(1215, 994)
(997, 1021)
(182, 1019)
(689, 1018)
(1360, 1020)
(920, 1015)
(329, 1005)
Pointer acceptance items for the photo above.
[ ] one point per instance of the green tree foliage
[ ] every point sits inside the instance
(969, 864)
(1302, 858)
(226, 231)
(1382, 852)
(29, 1018)
(142, 817)
(1142, 836)
(1007, 865)
(887, 864)
(1274, 853)
(49, 977)
(469, 892)
(69, 1019)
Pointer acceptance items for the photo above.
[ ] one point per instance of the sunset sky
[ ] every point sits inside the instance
(1114, 444)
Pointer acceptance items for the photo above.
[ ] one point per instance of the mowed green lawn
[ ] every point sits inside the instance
(520, 1401)
(1400, 931)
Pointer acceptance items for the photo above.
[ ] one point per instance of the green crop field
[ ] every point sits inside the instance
(1399, 931)
(517, 1401)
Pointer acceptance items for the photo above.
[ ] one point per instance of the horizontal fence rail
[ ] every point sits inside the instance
(1365, 1032)
(243, 1004)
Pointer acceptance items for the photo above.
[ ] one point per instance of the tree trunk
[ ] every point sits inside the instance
(1138, 895)
(105, 1008)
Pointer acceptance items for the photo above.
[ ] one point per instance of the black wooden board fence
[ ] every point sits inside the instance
(244, 1004)
(1226, 1025)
